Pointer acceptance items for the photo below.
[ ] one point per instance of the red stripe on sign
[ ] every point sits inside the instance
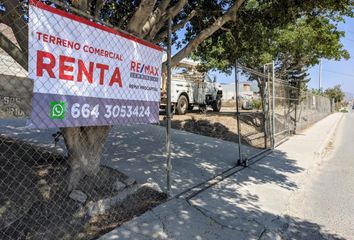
(71, 16)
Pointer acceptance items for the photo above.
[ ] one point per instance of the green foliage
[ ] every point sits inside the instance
(317, 92)
(256, 104)
(335, 93)
(297, 34)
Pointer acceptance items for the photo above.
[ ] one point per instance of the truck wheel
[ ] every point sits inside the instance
(182, 105)
(217, 105)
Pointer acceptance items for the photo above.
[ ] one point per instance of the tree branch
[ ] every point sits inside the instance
(99, 6)
(176, 27)
(174, 10)
(11, 49)
(230, 15)
(163, 5)
(170, 13)
(155, 17)
(14, 19)
(140, 16)
(81, 4)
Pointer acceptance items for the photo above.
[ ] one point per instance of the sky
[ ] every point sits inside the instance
(338, 72)
(333, 72)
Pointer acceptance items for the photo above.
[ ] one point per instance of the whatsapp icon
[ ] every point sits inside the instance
(57, 110)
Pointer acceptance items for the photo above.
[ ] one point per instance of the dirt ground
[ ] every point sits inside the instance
(35, 203)
(222, 125)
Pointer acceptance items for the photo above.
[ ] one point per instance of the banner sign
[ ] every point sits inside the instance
(86, 74)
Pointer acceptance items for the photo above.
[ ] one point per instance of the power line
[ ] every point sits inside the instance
(348, 39)
(339, 73)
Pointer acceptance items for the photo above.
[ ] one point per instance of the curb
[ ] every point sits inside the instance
(323, 146)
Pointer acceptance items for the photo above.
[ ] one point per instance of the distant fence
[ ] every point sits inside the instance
(72, 175)
(292, 111)
(311, 109)
(64, 80)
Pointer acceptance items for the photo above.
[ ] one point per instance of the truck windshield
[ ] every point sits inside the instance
(207, 78)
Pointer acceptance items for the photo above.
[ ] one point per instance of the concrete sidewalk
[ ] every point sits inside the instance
(252, 204)
(139, 152)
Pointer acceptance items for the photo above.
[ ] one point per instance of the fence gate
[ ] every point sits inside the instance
(81, 149)
(252, 111)
(292, 109)
(283, 99)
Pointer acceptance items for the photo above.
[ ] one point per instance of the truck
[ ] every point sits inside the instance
(191, 88)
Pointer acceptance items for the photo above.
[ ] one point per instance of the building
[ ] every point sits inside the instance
(247, 90)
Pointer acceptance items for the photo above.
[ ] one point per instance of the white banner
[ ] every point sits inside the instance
(77, 58)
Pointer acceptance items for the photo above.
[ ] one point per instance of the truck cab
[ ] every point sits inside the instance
(191, 88)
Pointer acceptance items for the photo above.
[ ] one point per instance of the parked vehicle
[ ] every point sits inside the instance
(192, 88)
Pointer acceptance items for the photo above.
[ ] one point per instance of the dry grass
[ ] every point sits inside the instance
(222, 125)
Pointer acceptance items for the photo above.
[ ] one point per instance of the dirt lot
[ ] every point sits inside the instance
(222, 125)
(35, 203)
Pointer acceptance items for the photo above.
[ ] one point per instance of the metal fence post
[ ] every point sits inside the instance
(273, 105)
(269, 111)
(168, 111)
(265, 108)
(297, 104)
(239, 161)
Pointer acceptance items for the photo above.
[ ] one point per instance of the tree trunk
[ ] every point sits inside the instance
(265, 109)
(85, 146)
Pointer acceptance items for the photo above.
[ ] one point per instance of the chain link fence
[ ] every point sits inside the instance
(271, 109)
(293, 110)
(284, 98)
(65, 174)
(312, 108)
(253, 111)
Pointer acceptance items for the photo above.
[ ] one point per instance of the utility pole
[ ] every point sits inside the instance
(320, 78)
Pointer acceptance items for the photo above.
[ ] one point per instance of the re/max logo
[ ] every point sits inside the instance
(142, 68)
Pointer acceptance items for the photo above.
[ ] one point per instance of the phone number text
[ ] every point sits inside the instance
(109, 111)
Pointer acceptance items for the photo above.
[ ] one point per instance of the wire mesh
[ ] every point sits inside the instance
(295, 110)
(65, 174)
(312, 108)
(77, 182)
(253, 111)
(283, 109)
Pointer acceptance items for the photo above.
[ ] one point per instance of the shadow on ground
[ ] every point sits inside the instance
(35, 202)
(229, 209)
(254, 202)
(139, 151)
(232, 209)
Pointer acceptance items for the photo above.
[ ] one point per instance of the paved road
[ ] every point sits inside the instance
(328, 197)
(292, 194)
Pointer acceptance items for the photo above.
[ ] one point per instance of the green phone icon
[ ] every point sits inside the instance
(57, 110)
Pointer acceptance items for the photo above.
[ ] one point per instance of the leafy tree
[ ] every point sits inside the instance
(146, 19)
(256, 27)
(261, 36)
(335, 93)
(316, 92)
(296, 34)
